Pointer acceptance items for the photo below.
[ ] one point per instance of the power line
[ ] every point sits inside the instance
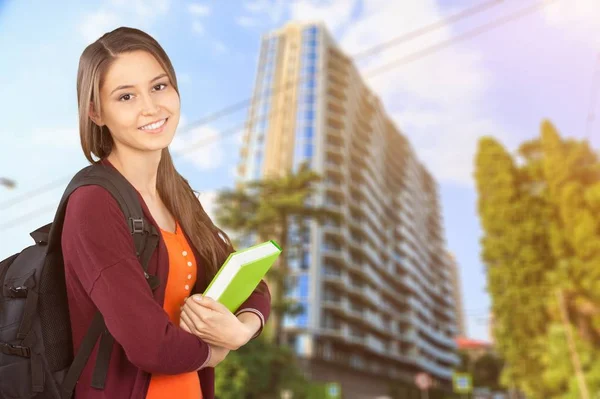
(595, 88)
(207, 141)
(377, 71)
(30, 215)
(468, 35)
(235, 107)
(428, 28)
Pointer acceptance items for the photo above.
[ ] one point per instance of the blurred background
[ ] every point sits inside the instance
(437, 158)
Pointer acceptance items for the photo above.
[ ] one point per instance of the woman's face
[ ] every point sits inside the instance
(139, 104)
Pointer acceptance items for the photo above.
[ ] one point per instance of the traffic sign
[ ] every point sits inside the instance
(462, 383)
(423, 381)
(333, 390)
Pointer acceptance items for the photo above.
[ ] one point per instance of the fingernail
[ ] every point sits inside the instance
(197, 298)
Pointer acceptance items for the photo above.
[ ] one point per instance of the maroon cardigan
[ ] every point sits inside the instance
(103, 273)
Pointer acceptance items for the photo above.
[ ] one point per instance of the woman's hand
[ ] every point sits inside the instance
(217, 355)
(213, 323)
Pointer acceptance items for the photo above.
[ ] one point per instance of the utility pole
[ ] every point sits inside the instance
(572, 349)
(8, 183)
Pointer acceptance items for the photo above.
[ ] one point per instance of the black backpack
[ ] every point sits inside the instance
(36, 355)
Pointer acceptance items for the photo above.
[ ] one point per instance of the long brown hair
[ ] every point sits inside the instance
(174, 190)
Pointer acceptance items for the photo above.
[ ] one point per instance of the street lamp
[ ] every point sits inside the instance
(8, 183)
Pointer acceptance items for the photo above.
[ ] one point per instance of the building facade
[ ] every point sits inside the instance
(461, 323)
(377, 288)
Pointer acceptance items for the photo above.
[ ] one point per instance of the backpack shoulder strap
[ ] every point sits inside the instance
(145, 238)
(144, 234)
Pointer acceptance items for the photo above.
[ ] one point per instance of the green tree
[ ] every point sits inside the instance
(487, 369)
(515, 250)
(540, 213)
(270, 209)
(573, 174)
(267, 209)
(558, 375)
(259, 370)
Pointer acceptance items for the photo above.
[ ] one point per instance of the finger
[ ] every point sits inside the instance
(210, 303)
(195, 322)
(200, 333)
(183, 325)
(200, 311)
(186, 322)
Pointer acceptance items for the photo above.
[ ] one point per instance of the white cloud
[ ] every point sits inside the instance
(576, 17)
(246, 22)
(238, 138)
(95, 24)
(143, 8)
(334, 13)
(220, 47)
(149, 8)
(206, 156)
(435, 101)
(198, 27)
(233, 172)
(183, 120)
(208, 199)
(135, 13)
(59, 138)
(200, 10)
(274, 9)
(185, 78)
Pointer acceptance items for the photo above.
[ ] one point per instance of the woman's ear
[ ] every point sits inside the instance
(94, 116)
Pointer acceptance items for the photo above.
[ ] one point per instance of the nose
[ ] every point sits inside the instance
(149, 107)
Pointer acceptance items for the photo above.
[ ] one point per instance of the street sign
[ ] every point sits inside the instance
(462, 383)
(333, 390)
(423, 381)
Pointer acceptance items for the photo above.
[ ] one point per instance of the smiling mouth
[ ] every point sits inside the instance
(154, 125)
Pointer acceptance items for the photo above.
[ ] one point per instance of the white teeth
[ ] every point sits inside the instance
(153, 126)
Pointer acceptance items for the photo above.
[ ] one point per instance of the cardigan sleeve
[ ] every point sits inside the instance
(98, 247)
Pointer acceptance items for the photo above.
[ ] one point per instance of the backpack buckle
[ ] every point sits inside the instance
(15, 350)
(136, 225)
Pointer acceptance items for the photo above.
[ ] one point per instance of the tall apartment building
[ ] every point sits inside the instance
(377, 288)
(458, 301)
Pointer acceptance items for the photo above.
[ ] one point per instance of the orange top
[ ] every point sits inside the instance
(180, 281)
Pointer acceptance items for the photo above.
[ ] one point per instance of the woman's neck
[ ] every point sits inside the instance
(139, 168)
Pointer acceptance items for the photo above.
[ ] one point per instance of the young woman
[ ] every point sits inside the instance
(167, 343)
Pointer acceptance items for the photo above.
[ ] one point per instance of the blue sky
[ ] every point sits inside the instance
(502, 83)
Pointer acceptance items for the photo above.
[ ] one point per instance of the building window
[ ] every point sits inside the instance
(302, 319)
(305, 260)
(308, 132)
(294, 263)
(309, 115)
(311, 70)
(303, 286)
(309, 83)
(308, 151)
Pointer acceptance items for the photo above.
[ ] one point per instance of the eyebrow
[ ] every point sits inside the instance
(130, 86)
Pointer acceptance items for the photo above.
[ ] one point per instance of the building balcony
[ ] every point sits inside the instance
(338, 70)
(444, 373)
(336, 95)
(442, 355)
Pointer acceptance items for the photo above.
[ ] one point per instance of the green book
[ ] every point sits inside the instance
(241, 273)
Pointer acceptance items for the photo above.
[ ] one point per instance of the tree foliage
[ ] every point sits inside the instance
(539, 214)
(270, 208)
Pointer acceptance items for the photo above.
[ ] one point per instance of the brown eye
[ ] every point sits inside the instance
(160, 87)
(125, 97)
